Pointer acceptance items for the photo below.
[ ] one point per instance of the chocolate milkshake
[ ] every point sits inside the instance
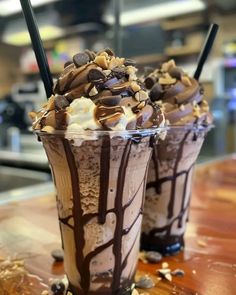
(96, 131)
(171, 168)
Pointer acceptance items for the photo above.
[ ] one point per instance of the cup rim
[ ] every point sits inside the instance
(111, 133)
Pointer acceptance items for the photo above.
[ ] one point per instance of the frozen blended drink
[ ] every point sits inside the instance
(96, 132)
(170, 174)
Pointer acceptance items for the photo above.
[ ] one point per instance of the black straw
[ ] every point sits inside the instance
(206, 49)
(37, 46)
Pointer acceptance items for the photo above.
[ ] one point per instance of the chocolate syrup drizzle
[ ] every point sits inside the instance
(152, 240)
(104, 179)
(80, 219)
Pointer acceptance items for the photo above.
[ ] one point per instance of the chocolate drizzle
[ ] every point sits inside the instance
(173, 185)
(160, 238)
(77, 213)
(119, 218)
(76, 220)
(104, 179)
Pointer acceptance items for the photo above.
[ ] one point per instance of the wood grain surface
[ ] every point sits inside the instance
(29, 231)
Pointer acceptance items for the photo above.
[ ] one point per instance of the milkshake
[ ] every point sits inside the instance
(171, 168)
(96, 131)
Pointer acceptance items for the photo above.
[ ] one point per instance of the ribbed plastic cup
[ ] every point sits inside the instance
(100, 179)
(168, 191)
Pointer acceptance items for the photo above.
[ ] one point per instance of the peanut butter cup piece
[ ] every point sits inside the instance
(80, 59)
(95, 75)
(156, 92)
(149, 82)
(61, 102)
(90, 54)
(176, 73)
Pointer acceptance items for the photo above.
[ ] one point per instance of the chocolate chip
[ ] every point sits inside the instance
(69, 62)
(80, 59)
(111, 100)
(58, 255)
(61, 102)
(145, 282)
(109, 52)
(149, 82)
(156, 92)
(176, 73)
(178, 273)
(153, 256)
(90, 54)
(119, 72)
(95, 75)
(58, 287)
(129, 62)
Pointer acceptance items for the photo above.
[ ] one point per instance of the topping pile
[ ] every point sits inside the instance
(179, 96)
(98, 91)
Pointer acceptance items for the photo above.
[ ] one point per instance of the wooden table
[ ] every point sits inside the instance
(29, 231)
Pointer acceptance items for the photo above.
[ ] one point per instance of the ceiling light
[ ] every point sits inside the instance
(22, 38)
(158, 11)
(8, 7)
(16, 32)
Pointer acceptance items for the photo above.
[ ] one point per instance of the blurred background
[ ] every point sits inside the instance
(149, 31)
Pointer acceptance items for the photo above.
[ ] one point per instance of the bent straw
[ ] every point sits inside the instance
(37, 46)
(206, 49)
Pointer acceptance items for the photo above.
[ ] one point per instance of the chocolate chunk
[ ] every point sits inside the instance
(153, 256)
(119, 72)
(61, 102)
(111, 82)
(149, 82)
(95, 75)
(129, 62)
(69, 62)
(178, 272)
(90, 54)
(176, 73)
(109, 52)
(110, 100)
(145, 282)
(156, 92)
(58, 255)
(80, 59)
(58, 287)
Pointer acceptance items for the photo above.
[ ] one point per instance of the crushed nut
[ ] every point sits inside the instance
(182, 107)
(135, 87)
(101, 61)
(167, 81)
(93, 91)
(164, 265)
(116, 62)
(201, 243)
(51, 104)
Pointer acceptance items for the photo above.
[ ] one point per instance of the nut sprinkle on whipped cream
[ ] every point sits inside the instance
(98, 91)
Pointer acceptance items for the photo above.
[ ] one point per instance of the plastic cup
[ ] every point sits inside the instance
(168, 191)
(100, 179)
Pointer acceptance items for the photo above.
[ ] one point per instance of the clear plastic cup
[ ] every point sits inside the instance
(168, 191)
(100, 179)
